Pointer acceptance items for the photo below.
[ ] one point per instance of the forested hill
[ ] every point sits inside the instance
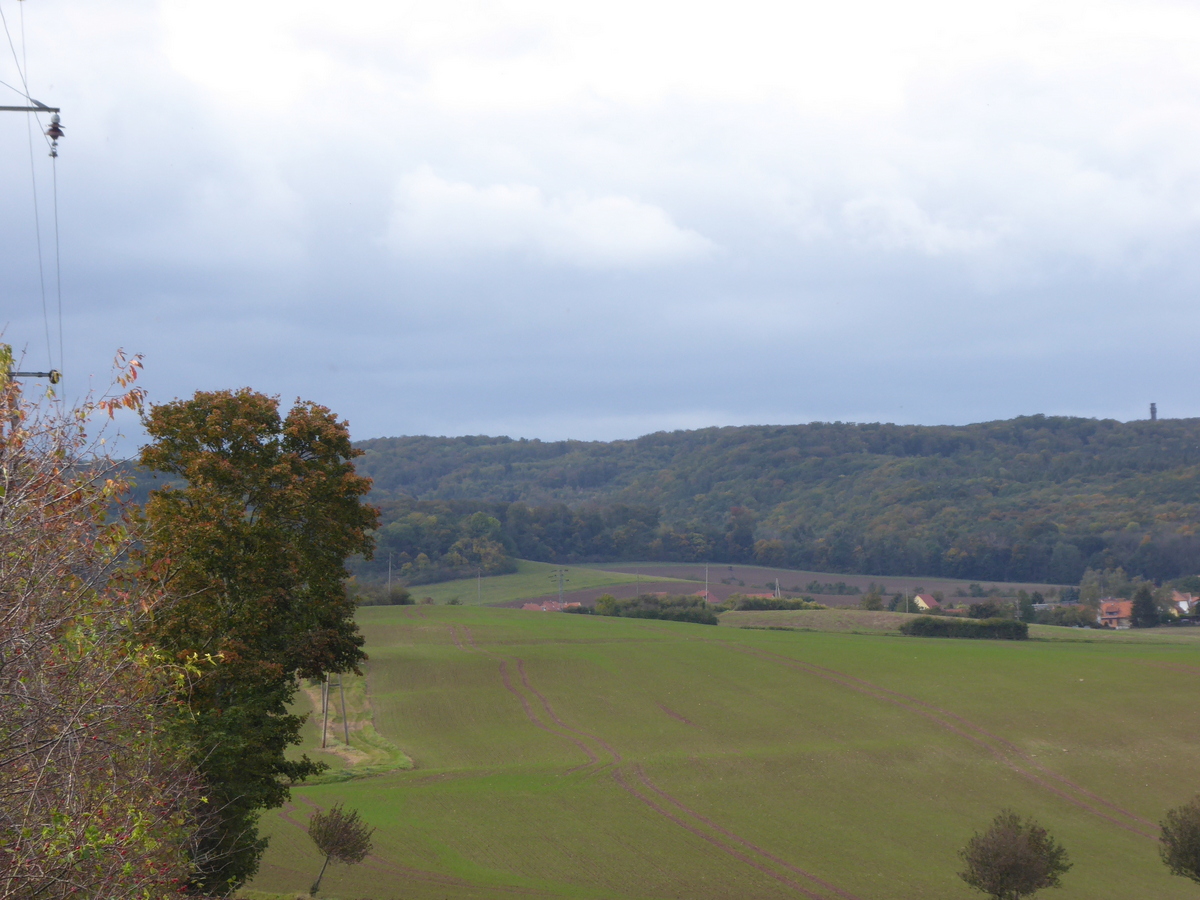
(1037, 498)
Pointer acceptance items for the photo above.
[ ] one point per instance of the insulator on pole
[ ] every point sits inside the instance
(54, 132)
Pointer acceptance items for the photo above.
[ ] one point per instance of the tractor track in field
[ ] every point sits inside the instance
(645, 779)
(559, 722)
(703, 835)
(593, 759)
(706, 829)
(676, 716)
(1003, 750)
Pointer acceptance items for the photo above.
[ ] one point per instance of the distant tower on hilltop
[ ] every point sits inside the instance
(1153, 412)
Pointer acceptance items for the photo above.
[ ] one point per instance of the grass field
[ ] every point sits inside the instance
(532, 579)
(863, 622)
(559, 756)
(739, 577)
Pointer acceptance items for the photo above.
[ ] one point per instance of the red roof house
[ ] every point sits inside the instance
(926, 602)
(1116, 613)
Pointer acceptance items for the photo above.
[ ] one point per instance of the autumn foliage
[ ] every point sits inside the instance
(97, 798)
(251, 543)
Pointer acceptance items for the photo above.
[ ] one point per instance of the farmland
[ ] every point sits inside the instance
(537, 580)
(532, 579)
(573, 756)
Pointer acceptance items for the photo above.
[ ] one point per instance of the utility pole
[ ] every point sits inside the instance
(54, 132)
(707, 599)
(479, 587)
(389, 597)
(561, 575)
(324, 710)
(345, 718)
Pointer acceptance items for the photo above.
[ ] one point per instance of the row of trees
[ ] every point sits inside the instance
(148, 657)
(433, 540)
(1031, 499)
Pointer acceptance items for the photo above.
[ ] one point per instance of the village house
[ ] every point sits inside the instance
(709, 596)
(1183, 604)
(550, 606)
(926, 602)
(1116, 613)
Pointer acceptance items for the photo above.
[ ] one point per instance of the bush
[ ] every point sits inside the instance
(1014, 858)
(996, 629)
(650, 606)
(741, 601)
(1179, 842)
(1069, 616)
(988, 609)
(378, 595)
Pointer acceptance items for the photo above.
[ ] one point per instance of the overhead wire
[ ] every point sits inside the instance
(12, 47)
(22, 64)
(37, 216)
(62, 362)
(54, 193)
(14, 90)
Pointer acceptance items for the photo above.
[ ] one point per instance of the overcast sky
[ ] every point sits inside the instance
(595, 220)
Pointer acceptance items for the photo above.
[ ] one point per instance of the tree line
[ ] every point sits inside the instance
(1035, 498)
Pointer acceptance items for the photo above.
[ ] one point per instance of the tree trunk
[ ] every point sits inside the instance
(317, 884)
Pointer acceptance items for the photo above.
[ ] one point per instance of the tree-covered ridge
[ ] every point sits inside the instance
(1037, 497)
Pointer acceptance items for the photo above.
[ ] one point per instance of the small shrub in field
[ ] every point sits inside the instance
(1014, 858)
(996, 629)
(742, 602)
(650, 606)
(1070, 616)
(341, 836)
(1179, 843)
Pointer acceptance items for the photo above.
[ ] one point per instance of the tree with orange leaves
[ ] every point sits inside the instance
(97, 795)
(252, 544)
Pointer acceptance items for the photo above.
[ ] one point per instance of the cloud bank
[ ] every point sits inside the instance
(558, 219)
(453, 220)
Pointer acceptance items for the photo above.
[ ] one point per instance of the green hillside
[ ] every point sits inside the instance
(1030, 499)
(562, 756)
(532, 579)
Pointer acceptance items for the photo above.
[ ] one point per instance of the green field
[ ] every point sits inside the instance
(586, 757)
(859, 621)
(532, 579)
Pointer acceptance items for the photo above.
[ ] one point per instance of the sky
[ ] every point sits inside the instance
(559, 219)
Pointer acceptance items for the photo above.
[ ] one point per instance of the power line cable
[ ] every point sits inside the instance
(37, 217)
(62, 361)
(13, 48)
(15, 90)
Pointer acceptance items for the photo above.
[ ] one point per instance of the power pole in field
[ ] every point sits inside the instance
(345, 718)
(324, 710)
(561, 575)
